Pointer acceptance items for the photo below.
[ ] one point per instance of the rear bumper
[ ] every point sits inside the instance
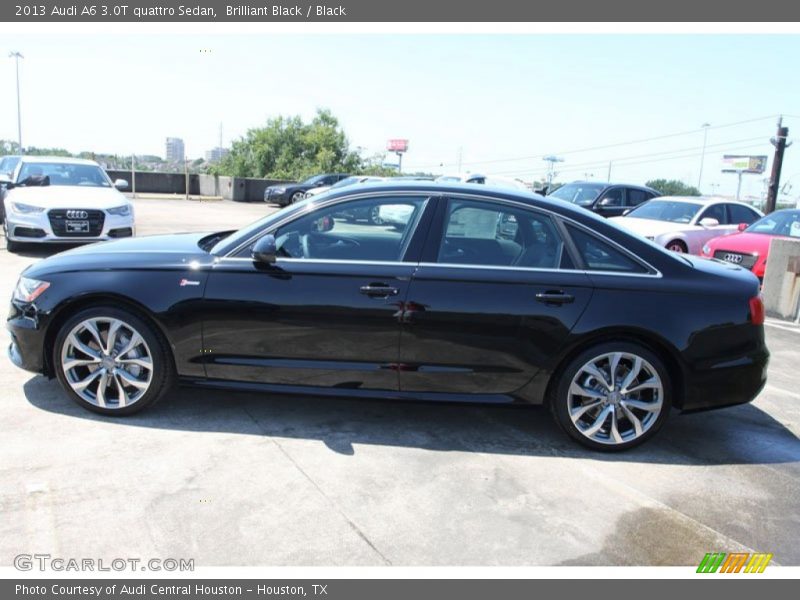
(728, 383)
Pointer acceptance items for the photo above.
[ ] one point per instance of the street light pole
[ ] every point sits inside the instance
(705, 127)
(16, 56)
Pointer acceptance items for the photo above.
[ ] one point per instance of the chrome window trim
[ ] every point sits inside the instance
(323, 204)
(654, 272)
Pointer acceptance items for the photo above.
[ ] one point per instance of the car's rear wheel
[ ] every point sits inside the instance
(677, 246)
(111, 361)
(613, 396)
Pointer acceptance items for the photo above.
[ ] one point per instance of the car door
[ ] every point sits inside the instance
(326, 312)
(611, 203)
(493, 300)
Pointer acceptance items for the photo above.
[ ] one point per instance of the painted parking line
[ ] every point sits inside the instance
(785, 325)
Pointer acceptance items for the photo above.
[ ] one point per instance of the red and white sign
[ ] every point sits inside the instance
(397, 145)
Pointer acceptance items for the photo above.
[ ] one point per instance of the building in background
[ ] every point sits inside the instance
(216, 154)
(175, 151)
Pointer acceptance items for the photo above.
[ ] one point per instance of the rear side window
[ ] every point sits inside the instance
(601, 256)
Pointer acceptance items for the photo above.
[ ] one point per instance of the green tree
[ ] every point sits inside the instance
(672, 187)
(288, 148)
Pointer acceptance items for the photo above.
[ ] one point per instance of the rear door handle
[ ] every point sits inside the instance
(378, 290)
(555, 297)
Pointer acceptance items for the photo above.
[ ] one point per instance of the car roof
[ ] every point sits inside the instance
(704, 200)
(611, 184)
(68, 160)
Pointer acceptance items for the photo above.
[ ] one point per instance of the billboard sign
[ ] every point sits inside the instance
(740, 163)
(397, 145)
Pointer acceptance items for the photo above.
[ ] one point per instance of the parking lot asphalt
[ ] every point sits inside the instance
(247, 479)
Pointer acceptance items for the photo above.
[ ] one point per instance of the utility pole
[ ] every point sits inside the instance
(608, 179)
(551, 169)
(779, 141)
(133, 175)
(705, 127)
(16, 56)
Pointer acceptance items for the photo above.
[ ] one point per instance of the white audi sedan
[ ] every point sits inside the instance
(63, 200)
(684, 224)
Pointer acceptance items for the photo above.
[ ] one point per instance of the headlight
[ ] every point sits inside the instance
(25, 209)
(120, 211)
(706, 249)
(28, 289)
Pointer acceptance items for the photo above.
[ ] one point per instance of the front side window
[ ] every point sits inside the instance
(492, 234)
(612, 198)
(717, 211)
(742, 214)
(371, 229)
(599, 255)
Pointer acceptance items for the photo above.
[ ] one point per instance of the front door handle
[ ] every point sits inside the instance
(555, 297)
(378, 290)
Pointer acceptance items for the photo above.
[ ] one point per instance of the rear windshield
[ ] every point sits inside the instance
(582, 194)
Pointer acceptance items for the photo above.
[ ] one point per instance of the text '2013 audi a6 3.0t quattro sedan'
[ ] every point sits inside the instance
(487, 295)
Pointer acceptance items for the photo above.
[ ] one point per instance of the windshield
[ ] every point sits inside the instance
(784, 222)
(578, 193)
(315, 180)
(63, 174)
(666, 210)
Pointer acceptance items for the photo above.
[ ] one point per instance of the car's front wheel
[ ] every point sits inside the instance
(111, 361)
(297, 196)
(613, 396)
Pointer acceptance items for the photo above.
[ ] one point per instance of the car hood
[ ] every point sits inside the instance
(649, 226)
(283, 185)
(175, 251)
(67, 196)
(750, 243)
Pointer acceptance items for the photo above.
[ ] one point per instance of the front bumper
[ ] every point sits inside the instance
(274, 197)
(36, 228)
(27, 328)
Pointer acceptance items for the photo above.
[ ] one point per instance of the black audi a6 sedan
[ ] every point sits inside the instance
(483, 295)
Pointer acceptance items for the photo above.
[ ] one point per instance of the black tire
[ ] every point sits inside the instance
(296, 197)
(163, 370)
(677, 246)
(561, 397)
(11, 246)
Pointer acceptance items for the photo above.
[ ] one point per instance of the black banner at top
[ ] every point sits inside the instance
(400, 11)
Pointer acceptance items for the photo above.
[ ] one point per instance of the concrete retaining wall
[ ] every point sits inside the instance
(781, 287)
(238, 189)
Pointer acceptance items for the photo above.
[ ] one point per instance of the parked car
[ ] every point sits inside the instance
(289, 193)
(684, 224)
(606, 199)
(8, 164)
(749, 247)
(480, 178)
(447, 309)
(63, 200)
(343, 183)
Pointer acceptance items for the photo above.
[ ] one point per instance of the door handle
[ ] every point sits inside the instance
(555, 297)
(378, 290)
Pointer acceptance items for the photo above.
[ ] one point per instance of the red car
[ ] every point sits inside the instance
(750, 246)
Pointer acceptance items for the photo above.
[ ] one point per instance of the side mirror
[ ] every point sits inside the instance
(708, 222)
(742, 226)
(121, 184)
(265, 250)
(626, 211)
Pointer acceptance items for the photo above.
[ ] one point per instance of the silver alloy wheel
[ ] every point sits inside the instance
(615, 398)
(107, 362)
(297, 197)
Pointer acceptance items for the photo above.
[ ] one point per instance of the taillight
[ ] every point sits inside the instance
(757, 310)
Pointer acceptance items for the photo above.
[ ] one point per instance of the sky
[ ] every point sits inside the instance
(499, 102)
